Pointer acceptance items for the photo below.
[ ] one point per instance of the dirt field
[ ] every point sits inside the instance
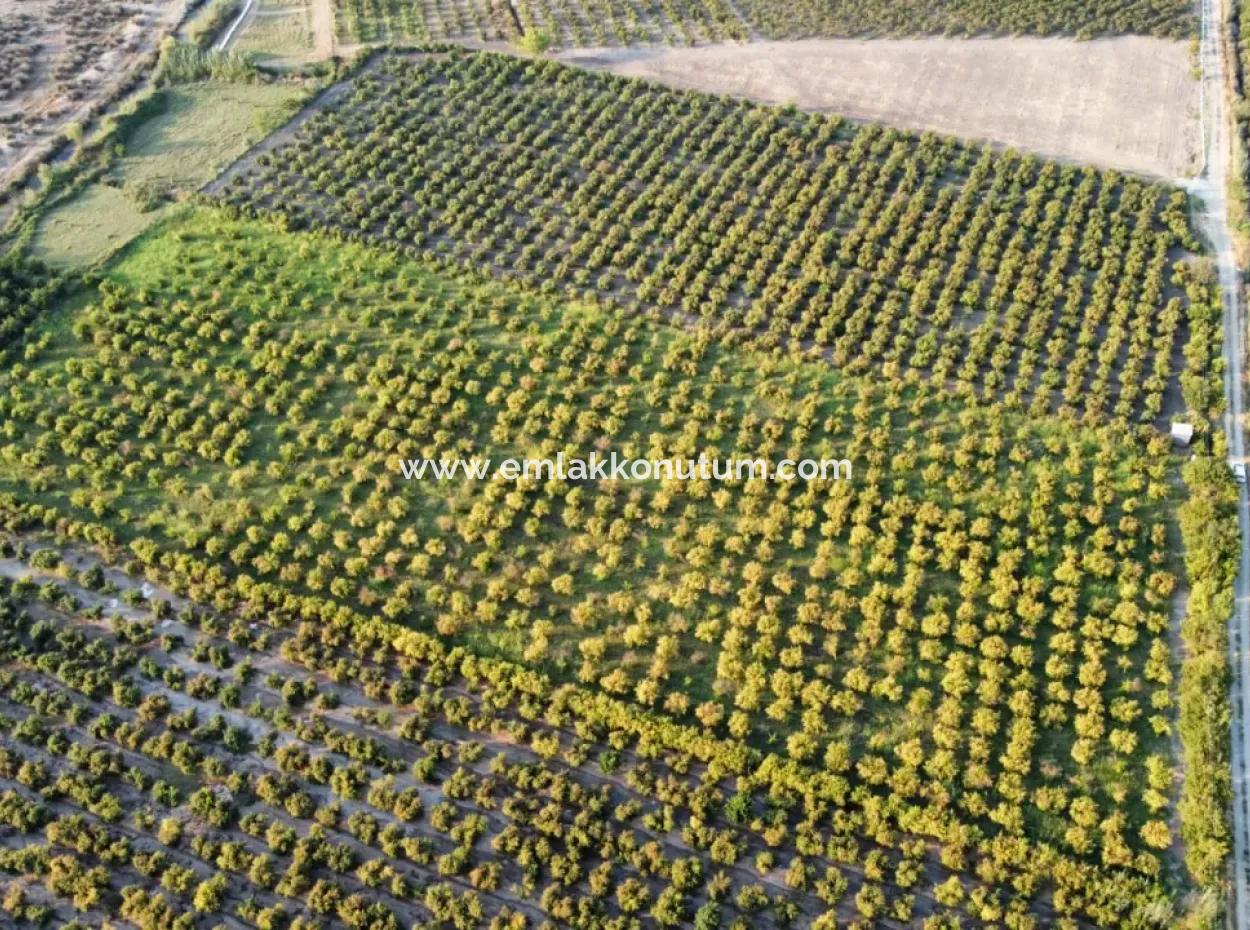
(1128, 103)
(76, 54)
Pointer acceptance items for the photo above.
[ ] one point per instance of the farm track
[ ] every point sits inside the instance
(322, 17)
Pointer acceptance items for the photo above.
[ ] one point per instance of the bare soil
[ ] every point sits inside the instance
(1129, 102)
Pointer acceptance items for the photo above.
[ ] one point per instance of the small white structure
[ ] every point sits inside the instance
(1182, 433)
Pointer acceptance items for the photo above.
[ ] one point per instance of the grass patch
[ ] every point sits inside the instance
(89, 226)
(202, 129)
(197, 131)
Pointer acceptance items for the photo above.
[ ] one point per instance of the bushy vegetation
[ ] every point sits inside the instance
(215, 17)
(1212, 556)
(27, 289)
(1238, 27)
(186, 63)
(1043, 286)
(20, 52)
(967, 643)
(1085, 18)
(625, 22)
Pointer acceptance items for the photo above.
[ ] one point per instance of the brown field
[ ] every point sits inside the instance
(1129, 103)
(69, 58)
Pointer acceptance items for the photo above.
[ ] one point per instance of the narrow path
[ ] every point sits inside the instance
(321, 16)
(1210, 190)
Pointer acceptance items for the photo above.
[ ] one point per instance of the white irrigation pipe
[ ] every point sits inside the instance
(224, 42)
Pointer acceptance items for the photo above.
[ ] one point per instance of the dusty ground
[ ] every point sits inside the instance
(85, 50)
(1127, 102)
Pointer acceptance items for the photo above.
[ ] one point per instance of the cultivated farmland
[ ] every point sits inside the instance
(253, 674)
(969, 641)
(684, 22)
(886, 251)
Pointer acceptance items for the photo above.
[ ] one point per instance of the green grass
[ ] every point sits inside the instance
(89, 226)
(203, 128)
(196, 132)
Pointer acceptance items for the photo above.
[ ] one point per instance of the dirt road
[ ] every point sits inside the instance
(236, 26)
(322, 18)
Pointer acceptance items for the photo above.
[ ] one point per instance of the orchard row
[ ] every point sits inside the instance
(169, 765)
(628, 22)
(1011, 279)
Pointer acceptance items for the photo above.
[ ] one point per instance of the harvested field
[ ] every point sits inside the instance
(76, 56)
(1129, 103)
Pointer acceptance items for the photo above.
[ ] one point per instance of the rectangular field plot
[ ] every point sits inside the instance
(580, 23)
(793, 19)
(943, 688)
(1000, 275)
(565, 22)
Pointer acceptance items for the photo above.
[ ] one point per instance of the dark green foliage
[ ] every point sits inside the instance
(26, 289)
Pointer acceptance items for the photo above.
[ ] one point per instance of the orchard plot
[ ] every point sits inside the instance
(970, 633)
(1010, 279)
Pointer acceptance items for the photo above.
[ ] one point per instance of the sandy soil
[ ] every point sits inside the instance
(323, 28)
(1127, 102)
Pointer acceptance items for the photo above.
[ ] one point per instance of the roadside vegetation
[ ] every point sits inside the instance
(1238, 36)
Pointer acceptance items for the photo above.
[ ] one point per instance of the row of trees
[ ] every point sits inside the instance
(1040, 285)
(959, 584)
(1084, 18)
(567, 22)
(621, 22)
(564, 842)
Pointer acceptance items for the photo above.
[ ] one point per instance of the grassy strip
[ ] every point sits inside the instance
(184, 63)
